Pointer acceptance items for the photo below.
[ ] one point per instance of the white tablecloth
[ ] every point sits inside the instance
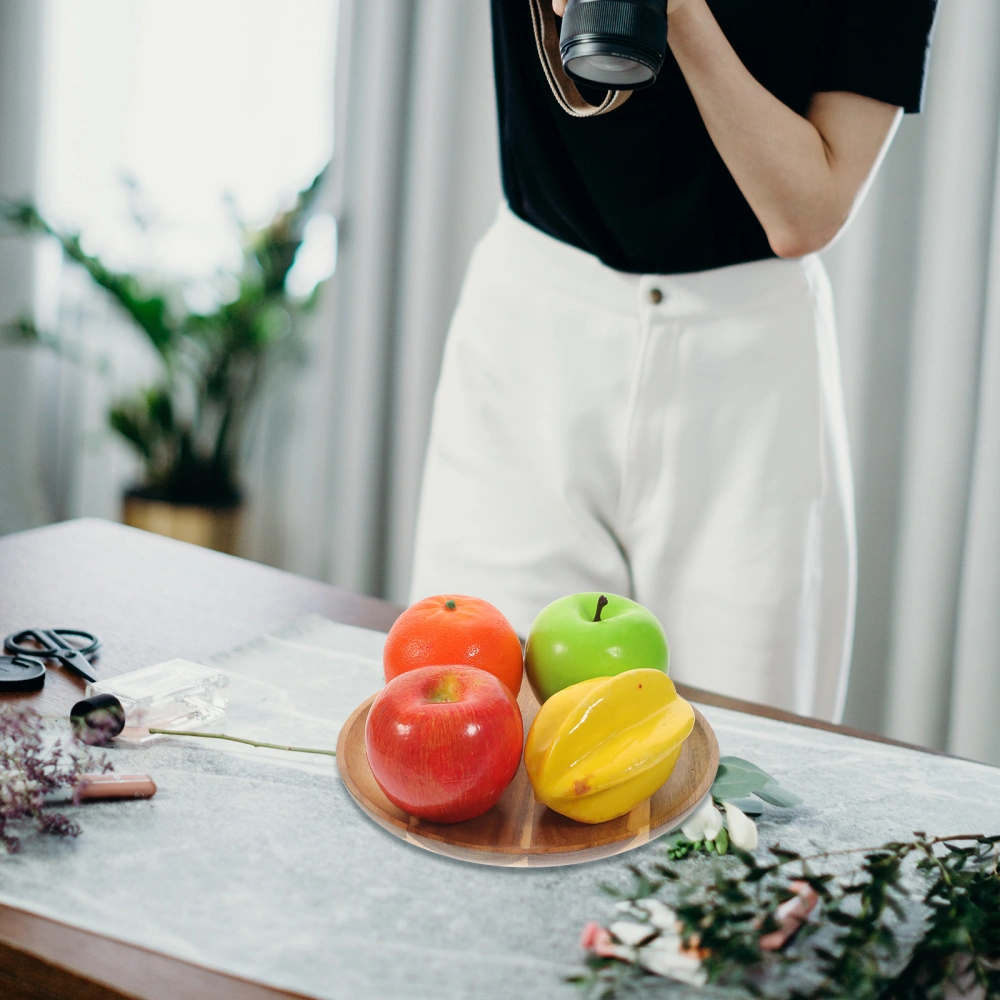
(258, 862)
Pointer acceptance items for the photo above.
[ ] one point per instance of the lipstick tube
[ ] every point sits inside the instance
(116, 786)
(95, 787)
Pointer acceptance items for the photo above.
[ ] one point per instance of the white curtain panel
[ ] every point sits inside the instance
(317, 474)
(916, 279)
(938, 543)
(22, 371)
(974, 716)
(337, 463)
(450, 195)
(419, 184)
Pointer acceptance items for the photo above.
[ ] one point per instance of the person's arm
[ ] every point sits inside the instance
(802, 176)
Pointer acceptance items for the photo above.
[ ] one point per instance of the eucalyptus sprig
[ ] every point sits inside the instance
(738, 790)
(852, 944)
(737, 778)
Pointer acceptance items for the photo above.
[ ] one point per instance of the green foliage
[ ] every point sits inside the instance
(737, 778)
(852, 946)
(189, 426)
(608, 979)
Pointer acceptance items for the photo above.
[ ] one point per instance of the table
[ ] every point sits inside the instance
(151, 599)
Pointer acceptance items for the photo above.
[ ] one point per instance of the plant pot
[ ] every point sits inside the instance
(212, 527)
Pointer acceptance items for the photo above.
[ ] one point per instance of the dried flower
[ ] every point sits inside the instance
(790, 916)
(598, 940)
(651, 940)
(30, 768)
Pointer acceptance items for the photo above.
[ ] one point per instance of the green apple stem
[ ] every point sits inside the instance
(237, 739)
(602, 603)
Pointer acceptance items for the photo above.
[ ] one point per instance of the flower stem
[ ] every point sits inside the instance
(869, 850)
(237, 739)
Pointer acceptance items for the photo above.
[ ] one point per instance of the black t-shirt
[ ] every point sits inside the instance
(643, 187)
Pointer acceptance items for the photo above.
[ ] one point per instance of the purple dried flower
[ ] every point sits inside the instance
(31, 768)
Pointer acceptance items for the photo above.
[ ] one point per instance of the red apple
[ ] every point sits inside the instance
(444, 742)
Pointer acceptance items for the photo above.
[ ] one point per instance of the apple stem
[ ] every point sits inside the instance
(602, 603)
(237, 739)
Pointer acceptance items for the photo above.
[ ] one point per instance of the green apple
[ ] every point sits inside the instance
(591, 635)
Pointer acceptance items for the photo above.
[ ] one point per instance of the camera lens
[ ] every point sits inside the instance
(614, 43)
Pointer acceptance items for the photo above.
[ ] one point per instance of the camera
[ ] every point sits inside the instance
(614, 43)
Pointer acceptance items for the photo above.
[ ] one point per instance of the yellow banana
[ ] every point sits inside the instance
(598, 748)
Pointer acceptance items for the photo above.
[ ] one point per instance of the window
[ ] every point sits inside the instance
(162, 119)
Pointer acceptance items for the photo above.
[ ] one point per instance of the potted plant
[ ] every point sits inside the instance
(189, 426)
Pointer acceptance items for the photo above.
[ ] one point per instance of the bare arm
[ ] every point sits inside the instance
(802, 176)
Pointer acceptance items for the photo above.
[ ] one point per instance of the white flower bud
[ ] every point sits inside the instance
(704, 823)
(742, 829)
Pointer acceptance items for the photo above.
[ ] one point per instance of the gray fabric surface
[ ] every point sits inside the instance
(258, 863)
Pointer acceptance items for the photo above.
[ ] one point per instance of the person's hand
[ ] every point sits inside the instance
(559, 6)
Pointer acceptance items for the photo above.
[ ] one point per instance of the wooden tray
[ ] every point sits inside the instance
(520, 832)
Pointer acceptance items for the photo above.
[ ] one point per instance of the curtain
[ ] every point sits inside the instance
(917, 280)
(335, 471)
(417, 183)
(22, 502)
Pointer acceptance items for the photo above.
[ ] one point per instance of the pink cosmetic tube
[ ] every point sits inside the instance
(93, 787)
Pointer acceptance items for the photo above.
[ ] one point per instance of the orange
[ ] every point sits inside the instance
(452, 630)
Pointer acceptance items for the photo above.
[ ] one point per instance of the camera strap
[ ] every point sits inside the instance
(564, 89)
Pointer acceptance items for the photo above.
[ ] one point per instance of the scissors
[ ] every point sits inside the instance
(55, 644)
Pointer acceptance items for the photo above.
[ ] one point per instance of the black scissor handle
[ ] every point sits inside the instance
(51, 642)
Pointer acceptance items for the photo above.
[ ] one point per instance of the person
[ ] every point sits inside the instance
(640, 390)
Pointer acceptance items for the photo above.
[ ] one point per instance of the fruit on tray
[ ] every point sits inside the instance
(591, 635)
(443, 742)
(598, 748)
(452, 629)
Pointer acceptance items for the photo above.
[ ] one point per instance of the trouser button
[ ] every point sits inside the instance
(655, 296)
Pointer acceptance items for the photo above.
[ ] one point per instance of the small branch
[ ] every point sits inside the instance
(237, 739)
(869, 850)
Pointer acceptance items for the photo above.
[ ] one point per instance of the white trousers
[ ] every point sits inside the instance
(676, 439)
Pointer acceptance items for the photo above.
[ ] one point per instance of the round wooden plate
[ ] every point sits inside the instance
(520, 832)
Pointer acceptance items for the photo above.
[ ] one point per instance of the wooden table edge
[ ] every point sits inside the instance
(104, 962)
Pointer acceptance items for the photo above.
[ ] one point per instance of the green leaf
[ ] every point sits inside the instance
(784, 853)
(734, 782)
(21, 331)
(643, 888)
(744, 765)
(773, 792)
(722, 841)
